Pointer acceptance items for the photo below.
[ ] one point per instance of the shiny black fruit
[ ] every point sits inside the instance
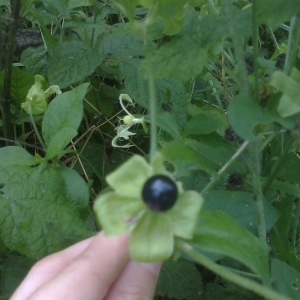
(159, 193)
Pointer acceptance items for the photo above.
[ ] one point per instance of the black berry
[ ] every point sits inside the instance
(159, 193)
(235, 179)
(230, 135)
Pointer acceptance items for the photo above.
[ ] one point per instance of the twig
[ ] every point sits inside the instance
(8, 129)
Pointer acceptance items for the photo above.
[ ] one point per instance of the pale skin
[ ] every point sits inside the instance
(96, 268)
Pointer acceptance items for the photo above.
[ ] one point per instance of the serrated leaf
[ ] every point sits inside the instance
(179, 280)
(274, 13)
(36, 61)
(242, 207)
(217, 233)
(213, 28)
(59, 141)
(13, 155)
(121, 43)
(65, 110)
(37, 217)
(182, 58)
(70, 62)
(285, 279)
(237, 22)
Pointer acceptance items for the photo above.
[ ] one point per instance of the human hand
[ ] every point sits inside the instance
(96, 268)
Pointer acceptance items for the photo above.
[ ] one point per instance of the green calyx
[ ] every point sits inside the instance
(36, 99)
(123, 210)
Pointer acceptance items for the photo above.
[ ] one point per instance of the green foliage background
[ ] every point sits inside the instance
(226, 78)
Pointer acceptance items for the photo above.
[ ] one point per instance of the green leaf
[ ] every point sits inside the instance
(289, 103)
(37, 217)
(214, 291)
(179, 280)
(21, 82)
(14, 269)
(249, 120)
(65, 110)
(215, 151)
(59, 141)
(36, 61)
(128, 7)
(217, 233)
(185, 159)
(4, 2)
(201, 124)
(281, 237)
(78, 3)
(182, 58)
(167, 122)
(285, 279)
(13, 155)
(76, 189)
(212, 29)
(170, 11)
(135, 83)
(286, 187)
(171, 96)
(121, 43)
(274, 13)
(290, 171)
(242, 207)
(70, 62)
(238, 22)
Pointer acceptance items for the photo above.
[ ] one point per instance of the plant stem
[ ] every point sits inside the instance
(254, 166)
(229, 275)
(36, 130)
(152, 99)
(224, 168)
(8, 129)
(255, 50)
(3, 46)
(153, 126)
(238, 50)
(293, 45)
(295, 225)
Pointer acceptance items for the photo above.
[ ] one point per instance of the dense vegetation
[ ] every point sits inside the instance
(214, 85)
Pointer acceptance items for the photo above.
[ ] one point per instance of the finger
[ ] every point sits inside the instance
(137, 282)
(47, 268)
(91, 274)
